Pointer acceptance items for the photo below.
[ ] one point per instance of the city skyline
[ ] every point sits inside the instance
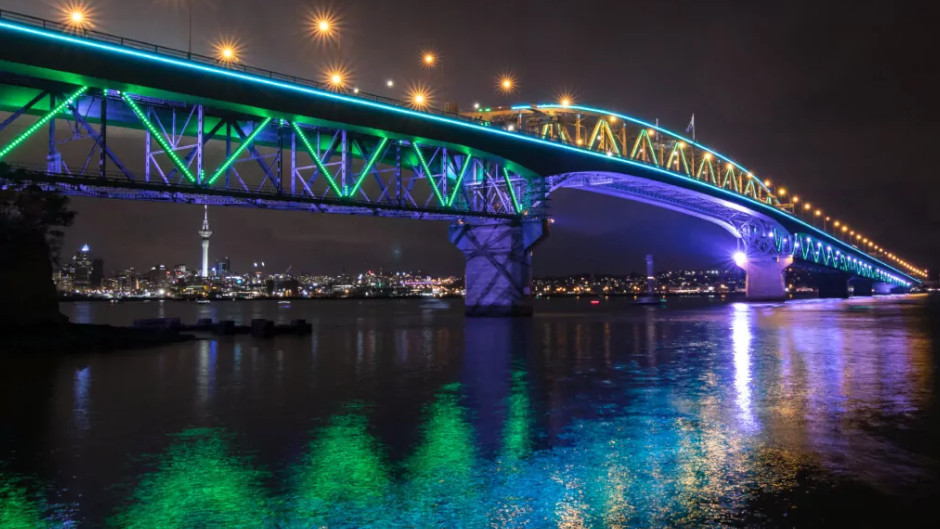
(812, 144)
(241, 254)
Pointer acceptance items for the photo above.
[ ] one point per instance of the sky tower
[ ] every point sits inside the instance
(205, 233)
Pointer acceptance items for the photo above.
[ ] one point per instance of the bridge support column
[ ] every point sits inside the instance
(765, 281)
(54, 163)
(882, 288)
(832, 285)
(499, 265)
(862, 286)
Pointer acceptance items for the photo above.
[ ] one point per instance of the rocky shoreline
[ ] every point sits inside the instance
(79, 338)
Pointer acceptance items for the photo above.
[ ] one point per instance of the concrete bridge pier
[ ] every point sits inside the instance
(832, 285)
(764, 277)
(499, 265)
(882, 288)
(862, 286)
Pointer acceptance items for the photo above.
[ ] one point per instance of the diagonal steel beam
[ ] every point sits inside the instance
(15, 142)
(159, 137)
(81, 121)
(192, 153)
(368, 166)
(245, 144)
(23, 110)
(316, 159)
(427, 174)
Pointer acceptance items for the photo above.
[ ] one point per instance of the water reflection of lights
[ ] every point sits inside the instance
(199, 482)
(82, 389)
(205, 374)
(741, 338)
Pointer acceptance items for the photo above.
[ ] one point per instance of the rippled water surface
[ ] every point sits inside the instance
(406, 414)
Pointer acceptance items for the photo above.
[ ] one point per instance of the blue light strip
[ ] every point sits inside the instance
(426, 116)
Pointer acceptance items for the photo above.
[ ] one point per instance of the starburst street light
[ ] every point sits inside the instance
(336, 76)
(566, 99)
(419, 96)
(227, 51)
(428, 58)
(506, 83)
(76, 15)
(323, 25)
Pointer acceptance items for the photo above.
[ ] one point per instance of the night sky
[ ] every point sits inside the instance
(838, 101)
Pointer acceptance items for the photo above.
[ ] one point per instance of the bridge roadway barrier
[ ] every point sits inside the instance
(498, 271)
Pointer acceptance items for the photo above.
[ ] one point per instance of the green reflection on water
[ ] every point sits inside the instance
(442, 484)
(199, 483)
(17, 509)
(654, 462)
(343, 476)
(517, 441)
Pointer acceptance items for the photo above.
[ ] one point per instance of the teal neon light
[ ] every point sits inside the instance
(463, 172)
(158, 135)
(42, 121)
(512, 136)
(813, 250)
(368, 167)
(241, 148)
(316, 159)
(428, 174)
(512, 191)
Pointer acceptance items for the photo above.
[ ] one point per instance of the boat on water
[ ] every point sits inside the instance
(202, 301)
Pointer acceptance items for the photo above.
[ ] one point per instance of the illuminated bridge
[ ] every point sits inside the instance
(95, 115)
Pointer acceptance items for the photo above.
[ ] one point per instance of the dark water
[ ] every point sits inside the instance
(401, 414)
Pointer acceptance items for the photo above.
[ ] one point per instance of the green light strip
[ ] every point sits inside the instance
(427, 174)
(649, 142)
(42, 121)
(159, 137)
(241, 148)
(316, 159)
(597, 129)
(368, 167)
(610, 137)
(512, 191)
(463, 171)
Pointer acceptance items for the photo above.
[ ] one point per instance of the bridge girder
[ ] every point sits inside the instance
(262, 121)
(199, 154)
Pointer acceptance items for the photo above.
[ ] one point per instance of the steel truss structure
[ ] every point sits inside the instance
(104, 142)
(193, 153)
(627, 137)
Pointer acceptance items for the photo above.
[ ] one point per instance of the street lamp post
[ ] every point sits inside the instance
(189, 52)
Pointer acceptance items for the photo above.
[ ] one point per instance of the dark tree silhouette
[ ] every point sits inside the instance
(30, 238)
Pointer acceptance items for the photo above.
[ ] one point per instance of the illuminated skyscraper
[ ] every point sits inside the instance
(82, 268)
(205, 233)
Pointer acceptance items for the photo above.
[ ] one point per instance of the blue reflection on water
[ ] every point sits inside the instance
(633, 418)
(741, 341)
